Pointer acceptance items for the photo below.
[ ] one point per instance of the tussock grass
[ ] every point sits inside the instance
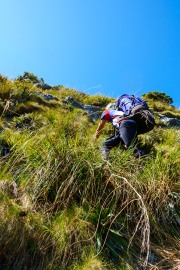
(163, 108)
(62, 207)
(172, 114)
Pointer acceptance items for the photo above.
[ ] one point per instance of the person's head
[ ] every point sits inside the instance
(111, 106)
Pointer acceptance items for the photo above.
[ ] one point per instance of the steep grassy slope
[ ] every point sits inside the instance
(62, 207)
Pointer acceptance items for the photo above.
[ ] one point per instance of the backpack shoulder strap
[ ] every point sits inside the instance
(139, 107)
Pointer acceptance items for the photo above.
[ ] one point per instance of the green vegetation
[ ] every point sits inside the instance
(62, 207)
(158, 96)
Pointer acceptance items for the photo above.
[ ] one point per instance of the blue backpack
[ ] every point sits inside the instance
(136, 109)
(130, 104)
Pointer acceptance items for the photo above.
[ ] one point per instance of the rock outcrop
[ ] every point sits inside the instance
(94, 112)
(170, 122)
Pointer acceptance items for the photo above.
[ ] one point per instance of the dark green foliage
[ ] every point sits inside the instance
(158, 96)
(30, 77)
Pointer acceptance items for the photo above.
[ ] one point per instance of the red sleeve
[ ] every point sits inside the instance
(105, 115)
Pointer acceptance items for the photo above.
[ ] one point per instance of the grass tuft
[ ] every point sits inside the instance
(63, 207)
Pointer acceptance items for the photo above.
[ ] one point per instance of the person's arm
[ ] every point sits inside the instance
(100, 128)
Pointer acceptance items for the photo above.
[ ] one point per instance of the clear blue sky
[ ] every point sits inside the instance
(109, 47)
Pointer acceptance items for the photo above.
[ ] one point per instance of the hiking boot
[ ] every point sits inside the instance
(139, 153)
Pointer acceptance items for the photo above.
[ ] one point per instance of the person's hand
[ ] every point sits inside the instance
(95, 137)
(99, 129)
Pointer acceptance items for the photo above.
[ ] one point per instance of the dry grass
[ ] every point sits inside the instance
(62, 207)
